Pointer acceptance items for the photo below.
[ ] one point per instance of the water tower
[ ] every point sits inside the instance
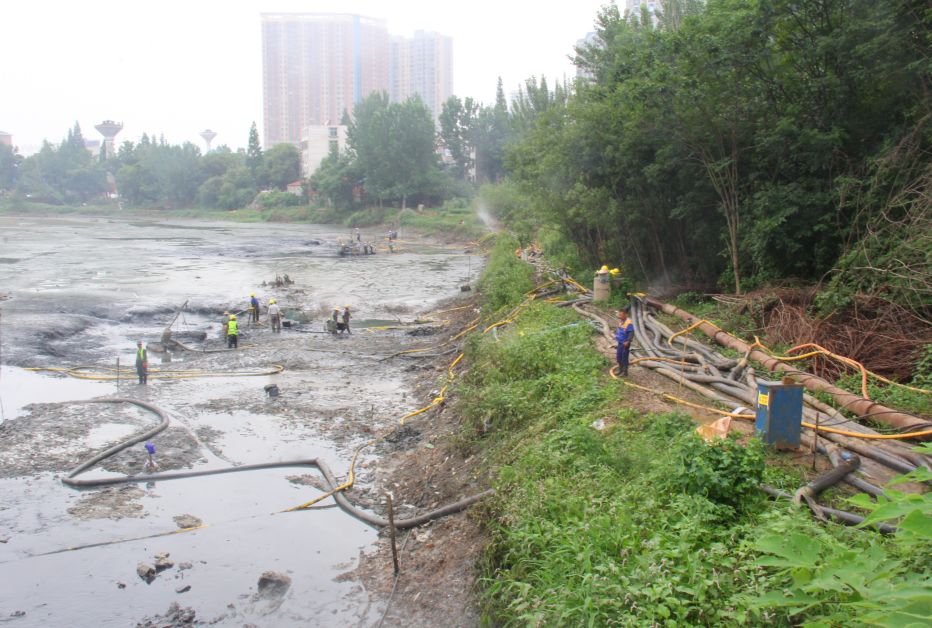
(208, 137)
(109, 129)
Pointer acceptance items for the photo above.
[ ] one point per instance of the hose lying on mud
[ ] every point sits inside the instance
(109, 374)
(71, 478)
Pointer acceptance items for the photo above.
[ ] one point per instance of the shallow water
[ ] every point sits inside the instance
(82, 291)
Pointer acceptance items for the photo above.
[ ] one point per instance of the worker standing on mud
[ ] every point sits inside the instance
(623, 335)
(223, 324)
(253, 308)
(358, 235)
(142, 363)
(232, 333)
(275, 317)
(346, 317)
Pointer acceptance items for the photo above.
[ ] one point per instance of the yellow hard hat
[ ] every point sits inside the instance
(271, 301)
(226, 313)
(604, 267)
(232, 317)
(614, 271)
(252, 294)
(347, 305)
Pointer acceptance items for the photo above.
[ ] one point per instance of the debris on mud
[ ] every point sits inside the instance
(273, 584)
(110, 503)
(183, 589)
(404, 437)
(187, 521)
(174, 617)
(425, 330)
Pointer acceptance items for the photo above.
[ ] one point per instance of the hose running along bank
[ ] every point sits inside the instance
(732, 383)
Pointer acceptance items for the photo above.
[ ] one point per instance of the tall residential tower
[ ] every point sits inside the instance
(422, 65)
(315, 67)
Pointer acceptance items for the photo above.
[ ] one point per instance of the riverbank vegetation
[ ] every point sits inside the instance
(608, 515)
(776, 149)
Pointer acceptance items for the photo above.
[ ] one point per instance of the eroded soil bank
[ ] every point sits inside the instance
(80, 292)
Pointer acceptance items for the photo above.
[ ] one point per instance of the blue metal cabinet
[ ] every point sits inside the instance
(779, 413)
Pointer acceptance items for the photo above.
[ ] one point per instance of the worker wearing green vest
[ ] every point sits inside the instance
(232, 333)
(142, 363)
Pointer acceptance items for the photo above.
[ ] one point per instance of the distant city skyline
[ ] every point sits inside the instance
(177, 68)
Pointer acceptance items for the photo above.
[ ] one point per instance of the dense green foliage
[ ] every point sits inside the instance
(150, 174)
(639, 522)
(475, 136)
(742, 141)
(66, 173)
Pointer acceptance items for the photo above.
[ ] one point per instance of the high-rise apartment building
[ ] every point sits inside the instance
(315, 67)
(422, 65)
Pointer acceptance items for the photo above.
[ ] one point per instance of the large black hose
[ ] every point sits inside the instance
(316, 463)
(841, 516)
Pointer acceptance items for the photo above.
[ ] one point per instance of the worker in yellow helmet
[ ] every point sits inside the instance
(275, 317)
(232, 333)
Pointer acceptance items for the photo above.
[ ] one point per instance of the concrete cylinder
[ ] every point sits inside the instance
(602, 287)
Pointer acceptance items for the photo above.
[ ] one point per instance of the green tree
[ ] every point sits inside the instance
(458, 131)
(281, 165)
(254, 155)
(10, 162)
(335, 179)
(394, 147)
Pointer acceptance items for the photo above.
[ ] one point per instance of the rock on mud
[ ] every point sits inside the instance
(187, 521)
(174, 617)
(146, 572)
(273, 584)
(162, 562)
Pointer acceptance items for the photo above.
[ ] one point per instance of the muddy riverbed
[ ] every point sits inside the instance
(79, 293)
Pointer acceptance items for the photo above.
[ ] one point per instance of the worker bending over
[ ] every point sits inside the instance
(623, 335)
(275, 316)
(232, 333)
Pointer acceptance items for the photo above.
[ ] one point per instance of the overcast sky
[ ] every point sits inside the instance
(178, 67)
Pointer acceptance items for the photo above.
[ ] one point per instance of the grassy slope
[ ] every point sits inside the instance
(638, 524)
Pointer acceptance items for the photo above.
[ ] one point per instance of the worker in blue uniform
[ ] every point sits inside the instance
(253, 308)
(623, 336)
